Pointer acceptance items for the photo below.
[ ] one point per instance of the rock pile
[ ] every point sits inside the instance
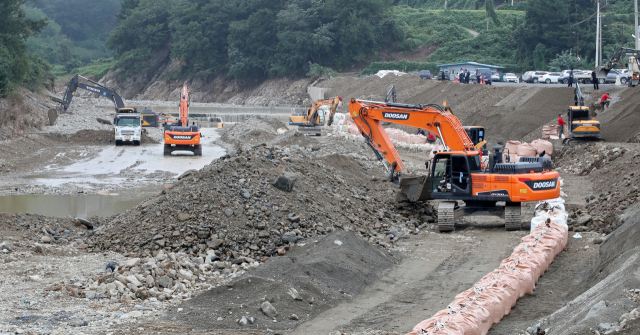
(232, 208)
(614, 170)
(164, 277)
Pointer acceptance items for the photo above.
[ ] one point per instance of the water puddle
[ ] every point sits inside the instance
(82, 206)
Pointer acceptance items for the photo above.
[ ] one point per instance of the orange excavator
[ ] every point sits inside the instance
(455, 174)
(178, 134)
(311, 123)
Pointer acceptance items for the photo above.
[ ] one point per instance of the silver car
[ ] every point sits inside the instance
(510, 78)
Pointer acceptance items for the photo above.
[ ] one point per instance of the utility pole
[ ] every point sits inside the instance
(598, 35)
(445, 4)
(636, 26)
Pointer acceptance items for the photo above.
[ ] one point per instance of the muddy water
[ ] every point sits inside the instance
(82, 206)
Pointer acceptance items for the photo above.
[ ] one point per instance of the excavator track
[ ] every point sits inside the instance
(446, 216)
(512, 218)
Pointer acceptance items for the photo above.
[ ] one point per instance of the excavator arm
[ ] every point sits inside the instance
(100, 89)
(603, 71)
(184, 107)
(368, 115)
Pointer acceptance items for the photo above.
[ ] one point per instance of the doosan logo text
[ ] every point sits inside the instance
(396, 116)
(181, 137)
(544, 184)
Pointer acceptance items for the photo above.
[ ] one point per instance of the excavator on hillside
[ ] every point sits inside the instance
(178, 134)
(312, 121)
(583, 127)
(455, 174)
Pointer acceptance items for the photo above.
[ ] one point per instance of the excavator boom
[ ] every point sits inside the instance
(368, 115)
(313, 120)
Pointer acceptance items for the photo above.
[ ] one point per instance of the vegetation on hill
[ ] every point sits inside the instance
(76, 32)
(17, 67)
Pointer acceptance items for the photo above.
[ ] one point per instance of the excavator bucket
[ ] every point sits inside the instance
(415, 188)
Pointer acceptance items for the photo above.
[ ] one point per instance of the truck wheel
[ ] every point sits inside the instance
(167, 150)
(136, 143)
(197, 151)
(118, 143)
(601, 80)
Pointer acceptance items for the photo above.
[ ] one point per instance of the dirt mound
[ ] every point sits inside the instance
(254, 131)
(23, 113)
(232, 207)
(324, 272)
(34, 228)
(607, 297)
(613, 167)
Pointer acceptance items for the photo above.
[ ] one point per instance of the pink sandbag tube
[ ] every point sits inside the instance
(474, 311)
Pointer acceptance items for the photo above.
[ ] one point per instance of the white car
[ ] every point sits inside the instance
(495, 77)
(510, 77)
(551, 77)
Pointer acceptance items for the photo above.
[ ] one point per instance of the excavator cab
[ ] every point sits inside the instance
(477, 136)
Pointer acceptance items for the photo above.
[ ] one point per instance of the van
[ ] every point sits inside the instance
(485, 73)
(425, 74)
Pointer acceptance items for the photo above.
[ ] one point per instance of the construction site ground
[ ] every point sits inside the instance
(44, 276)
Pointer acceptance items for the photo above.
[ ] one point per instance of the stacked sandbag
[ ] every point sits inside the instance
(550, 131)
(511, 147)
(543, 146)
(526, 150)
(475, 310)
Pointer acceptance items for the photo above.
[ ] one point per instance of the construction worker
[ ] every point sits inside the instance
(571, 78)
(461, 76)
(477, 76)
(605, 100)
(466, 76)
(594, 80)
(431, 138)
(561, 124)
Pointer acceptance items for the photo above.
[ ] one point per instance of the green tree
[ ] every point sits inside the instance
(491, 14)
(566, 60)
(16, 66)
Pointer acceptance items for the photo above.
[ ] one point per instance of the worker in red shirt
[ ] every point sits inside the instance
(431, 138)
(561, 124)
(605, 100)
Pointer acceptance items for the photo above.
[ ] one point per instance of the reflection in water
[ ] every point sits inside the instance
(77, 206)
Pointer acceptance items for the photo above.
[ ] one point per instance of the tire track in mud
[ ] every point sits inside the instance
(438, 267)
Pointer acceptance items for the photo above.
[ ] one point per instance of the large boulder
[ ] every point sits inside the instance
(286, 181)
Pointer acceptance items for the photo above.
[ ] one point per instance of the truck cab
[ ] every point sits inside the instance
(127, 126)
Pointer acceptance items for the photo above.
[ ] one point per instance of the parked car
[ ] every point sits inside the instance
(425, 74)
(495, 77)
(526, 76)
(578, 76)
(510, 78)
(536, 76)
(613, 76)
(446, 75)
(551, 77)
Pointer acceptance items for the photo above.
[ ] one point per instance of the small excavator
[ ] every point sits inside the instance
(456, 173)
(311, 123)
(582, 126)
(618, 56)
(178, 134)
